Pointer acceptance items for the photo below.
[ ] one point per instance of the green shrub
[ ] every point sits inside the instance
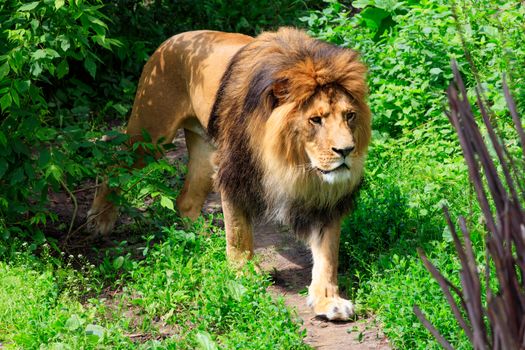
(408, 47)
(415, 164)
(379, 218)
(44, 134)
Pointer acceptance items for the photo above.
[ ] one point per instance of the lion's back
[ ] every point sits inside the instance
(192, 65)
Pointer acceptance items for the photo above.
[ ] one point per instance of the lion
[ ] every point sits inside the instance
(278, 123)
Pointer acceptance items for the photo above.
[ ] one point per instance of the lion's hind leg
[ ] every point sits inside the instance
(198, 182)
(103, 213)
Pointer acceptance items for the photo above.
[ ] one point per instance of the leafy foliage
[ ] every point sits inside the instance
(409, 59)
(40, 147)
(66, 67)
(415, 165)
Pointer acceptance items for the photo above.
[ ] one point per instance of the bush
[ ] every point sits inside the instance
(44, 137)
(380, 217)
(408, 47)
(414, 160)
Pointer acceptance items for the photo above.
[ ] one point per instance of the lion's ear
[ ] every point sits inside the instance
(280, 91)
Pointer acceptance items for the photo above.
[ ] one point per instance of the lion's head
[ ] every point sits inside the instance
(327, 135)
(292, 126)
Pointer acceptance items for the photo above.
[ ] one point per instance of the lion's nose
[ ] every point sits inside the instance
(343, 151)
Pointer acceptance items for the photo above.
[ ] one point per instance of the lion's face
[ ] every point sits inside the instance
(331, 134)
(314, 150)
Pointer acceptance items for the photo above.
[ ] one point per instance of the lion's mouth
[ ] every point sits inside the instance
(341, 167)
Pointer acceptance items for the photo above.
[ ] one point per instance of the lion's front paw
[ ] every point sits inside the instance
(101, 221)
(333, 308)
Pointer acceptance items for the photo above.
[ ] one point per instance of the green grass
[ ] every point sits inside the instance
(40, 306)
(182, 295)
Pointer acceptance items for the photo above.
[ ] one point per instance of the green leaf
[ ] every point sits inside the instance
(120, 109)
(90, 66)
(5, 102)
(15, 98)
(95, 330)
(39, 54)
(436, 71)
(46, 134)
(166, 202)
(28, 7)
(388, 5)
(360, 4)
(30, 172)
(52, 53)
(73, 323)
(236, 290)
(373, 17)
(3, 139)
(62, 69)
(59, 4)
(35, 23)
(65, 44)
(50, 68)
(205, 342)
(96, 21)
(18, 59)
(4, 70)
(36, 69)
(118, 262)
(22, 85)
(54, 171)
(17, 176)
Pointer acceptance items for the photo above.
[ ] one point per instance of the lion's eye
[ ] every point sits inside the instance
(350, 116)
(316, 120)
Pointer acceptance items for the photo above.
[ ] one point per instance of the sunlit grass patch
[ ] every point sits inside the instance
(182, 295)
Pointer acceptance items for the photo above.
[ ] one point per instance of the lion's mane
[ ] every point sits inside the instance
(285, 68)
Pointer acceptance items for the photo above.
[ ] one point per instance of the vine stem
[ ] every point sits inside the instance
(75, 204)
